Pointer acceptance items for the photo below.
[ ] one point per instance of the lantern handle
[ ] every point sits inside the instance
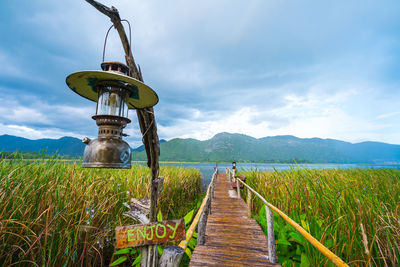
(130, 42)
(105, 42)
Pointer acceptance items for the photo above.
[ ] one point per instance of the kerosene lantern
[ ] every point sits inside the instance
(115, 92)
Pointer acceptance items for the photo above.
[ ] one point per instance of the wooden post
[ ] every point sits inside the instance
(150, 257)
(235, 180)
(213, 181)
(203, 224)
(249, 203)
(271, 236)
(238, 188)
(171, 257)
(212, 191)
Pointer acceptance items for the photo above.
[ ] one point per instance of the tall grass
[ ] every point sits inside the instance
(58, 214)
(355, 213)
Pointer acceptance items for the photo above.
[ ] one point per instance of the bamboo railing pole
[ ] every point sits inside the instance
(201, 230)
(172, 255)
(320, 247)
(190, 231)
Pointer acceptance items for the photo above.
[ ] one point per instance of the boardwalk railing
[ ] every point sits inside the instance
(201, 216)
(320, 247)
(172, 255)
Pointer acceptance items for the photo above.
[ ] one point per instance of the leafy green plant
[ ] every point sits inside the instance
(290, 245)
(126, 253)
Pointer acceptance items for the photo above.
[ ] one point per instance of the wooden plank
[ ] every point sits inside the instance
(232, 254)
(232, 238)
(150, 234)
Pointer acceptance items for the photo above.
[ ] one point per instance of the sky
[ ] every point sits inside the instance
(327, 69)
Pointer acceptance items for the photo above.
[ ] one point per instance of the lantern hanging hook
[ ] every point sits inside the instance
(130, 42)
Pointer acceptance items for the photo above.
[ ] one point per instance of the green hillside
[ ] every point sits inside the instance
(225, 147)
(63, 146)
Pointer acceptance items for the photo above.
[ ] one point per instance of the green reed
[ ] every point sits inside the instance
(355, 213)
(58, 214)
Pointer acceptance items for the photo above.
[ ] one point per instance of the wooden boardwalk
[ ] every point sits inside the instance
(232, 239)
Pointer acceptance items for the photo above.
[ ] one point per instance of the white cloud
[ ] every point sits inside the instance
(22, 114)
(387, 115)
(258, 68)
(315, 114)
(32, 133)
(40, 111)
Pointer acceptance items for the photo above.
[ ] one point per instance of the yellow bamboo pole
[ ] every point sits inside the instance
(320, 247)
(190, 231)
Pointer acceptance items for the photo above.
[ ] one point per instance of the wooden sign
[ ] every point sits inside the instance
(150, 234)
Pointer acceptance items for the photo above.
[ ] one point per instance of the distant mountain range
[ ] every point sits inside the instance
(63, 146)
(226, 147)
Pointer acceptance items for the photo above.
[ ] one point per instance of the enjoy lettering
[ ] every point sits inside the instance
(148, 232)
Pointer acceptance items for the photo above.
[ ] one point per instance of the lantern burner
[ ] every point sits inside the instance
(111, 126)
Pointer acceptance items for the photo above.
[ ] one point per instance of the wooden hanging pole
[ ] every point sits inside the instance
(147, 125)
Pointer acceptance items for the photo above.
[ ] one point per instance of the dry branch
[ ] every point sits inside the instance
(146, 118)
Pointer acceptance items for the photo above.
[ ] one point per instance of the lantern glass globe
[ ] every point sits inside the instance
(112, 102)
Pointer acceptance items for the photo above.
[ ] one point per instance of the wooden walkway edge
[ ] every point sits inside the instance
(232, 239)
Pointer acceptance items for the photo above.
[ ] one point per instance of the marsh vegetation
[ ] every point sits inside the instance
(58, 214)
(355, 213)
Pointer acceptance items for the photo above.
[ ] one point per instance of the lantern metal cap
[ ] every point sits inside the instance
(85, 84)
(115, 66)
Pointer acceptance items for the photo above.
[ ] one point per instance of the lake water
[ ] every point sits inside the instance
(207, 169)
